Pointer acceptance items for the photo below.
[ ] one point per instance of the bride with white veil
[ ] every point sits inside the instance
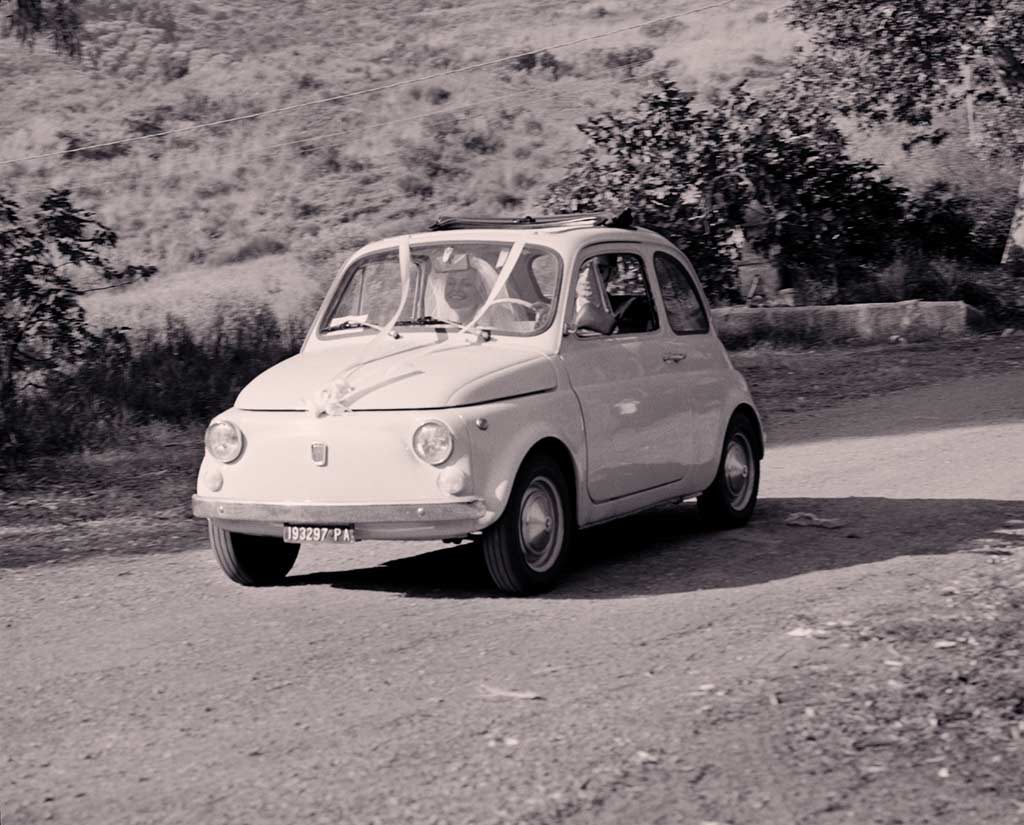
(456, 294)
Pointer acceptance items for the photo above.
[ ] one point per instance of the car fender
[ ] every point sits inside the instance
(736, 396)
(740, 397)
(504, 432)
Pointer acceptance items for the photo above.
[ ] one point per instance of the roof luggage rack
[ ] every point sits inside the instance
(573, 220)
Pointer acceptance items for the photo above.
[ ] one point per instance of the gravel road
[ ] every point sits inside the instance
(663, 683)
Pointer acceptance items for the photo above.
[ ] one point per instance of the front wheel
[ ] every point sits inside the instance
(255, 561)
(732, 496)
(528, 548)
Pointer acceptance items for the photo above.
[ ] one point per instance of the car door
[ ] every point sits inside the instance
(695, 355)
(625, 388)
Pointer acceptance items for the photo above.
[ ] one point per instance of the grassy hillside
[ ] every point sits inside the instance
(488, 139)
(204, 294)
(311, 184)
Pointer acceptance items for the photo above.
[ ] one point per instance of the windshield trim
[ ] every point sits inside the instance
(351, 266)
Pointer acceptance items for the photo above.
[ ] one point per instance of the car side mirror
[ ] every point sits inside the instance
(590, 318)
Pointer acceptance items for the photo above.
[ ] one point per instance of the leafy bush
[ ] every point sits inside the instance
(43, 260)
(258, 247)
(554, 67)
(660, 29)
(174, 66)
(484, 141)
(543, 61)
(438, 95)
(944, 223)
(699, 174)
(148, 121)
(524, 63)
(628, 60)
(997, 291)
(950, 248)
(73, 141)
(170, 375)
(414, 185)
(157, 15)
(423, 158)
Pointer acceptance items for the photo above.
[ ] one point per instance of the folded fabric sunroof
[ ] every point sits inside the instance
(622, 220)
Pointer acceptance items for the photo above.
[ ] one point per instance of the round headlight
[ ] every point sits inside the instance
(433, 442)
(223, 441)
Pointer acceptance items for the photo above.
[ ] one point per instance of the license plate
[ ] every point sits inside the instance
(304, 534)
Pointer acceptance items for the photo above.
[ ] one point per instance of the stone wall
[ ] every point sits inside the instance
(909, 320)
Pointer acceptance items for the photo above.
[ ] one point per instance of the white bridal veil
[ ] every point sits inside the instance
(485, 277)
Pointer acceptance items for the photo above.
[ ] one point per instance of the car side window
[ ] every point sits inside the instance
(613, 296)
(683, 307)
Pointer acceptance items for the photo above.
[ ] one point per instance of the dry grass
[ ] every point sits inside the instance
(197, 295)
(493, 140)
(487, 140)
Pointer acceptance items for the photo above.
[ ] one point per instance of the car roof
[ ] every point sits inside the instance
(564, 239)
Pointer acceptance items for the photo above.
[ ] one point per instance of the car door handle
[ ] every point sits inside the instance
(673, 357)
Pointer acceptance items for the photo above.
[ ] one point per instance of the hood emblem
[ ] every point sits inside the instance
(318, 452)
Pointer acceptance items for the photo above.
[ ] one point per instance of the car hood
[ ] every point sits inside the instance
(404, 374)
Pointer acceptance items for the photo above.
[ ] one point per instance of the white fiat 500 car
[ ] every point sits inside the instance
(509, 381)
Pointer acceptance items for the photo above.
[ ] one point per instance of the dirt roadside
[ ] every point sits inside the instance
(869, 673)
(135, 500)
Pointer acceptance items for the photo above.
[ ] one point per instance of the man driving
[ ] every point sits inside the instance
(593, 309)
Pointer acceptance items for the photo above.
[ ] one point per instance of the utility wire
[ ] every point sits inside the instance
(370, 90)
(577, 87)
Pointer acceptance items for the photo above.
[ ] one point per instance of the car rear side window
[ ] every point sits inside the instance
(683, 307)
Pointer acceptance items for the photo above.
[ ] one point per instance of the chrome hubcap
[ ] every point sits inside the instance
(739, 471)
(540, 525)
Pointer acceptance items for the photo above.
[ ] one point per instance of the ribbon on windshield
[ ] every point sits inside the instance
(404, 264)
(337, 394)
(503, 276)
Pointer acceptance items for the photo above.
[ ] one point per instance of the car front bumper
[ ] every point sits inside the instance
(413, 521)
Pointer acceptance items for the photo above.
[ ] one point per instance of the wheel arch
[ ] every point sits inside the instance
(747, 411)
(517, 428)
(560, 452)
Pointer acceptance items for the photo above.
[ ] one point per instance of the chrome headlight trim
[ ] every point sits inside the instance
(224, 441)
(433, 442)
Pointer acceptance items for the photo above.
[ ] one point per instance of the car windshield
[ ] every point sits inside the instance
(493, 286)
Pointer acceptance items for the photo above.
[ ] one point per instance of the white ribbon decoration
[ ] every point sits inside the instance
(503, 276)
(332, 398)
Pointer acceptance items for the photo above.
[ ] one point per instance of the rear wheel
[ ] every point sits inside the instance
(732, 496)
(255, 561)
(527, 549)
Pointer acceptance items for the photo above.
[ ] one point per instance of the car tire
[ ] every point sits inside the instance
(253, 561)
(730, 500)
(528, 548)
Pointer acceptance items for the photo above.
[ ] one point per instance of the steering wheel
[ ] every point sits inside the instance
(621, 311)
(536, 310)
(624, 307)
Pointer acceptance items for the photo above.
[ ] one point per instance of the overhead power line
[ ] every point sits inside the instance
(370, 90)
(578, 85)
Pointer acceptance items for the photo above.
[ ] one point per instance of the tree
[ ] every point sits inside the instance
(42, 262)
(60, 18)
(909, 61)
(659, 159)
(699, 174)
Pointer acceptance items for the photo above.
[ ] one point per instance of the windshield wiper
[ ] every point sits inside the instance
(427, 321)
(350, 322)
